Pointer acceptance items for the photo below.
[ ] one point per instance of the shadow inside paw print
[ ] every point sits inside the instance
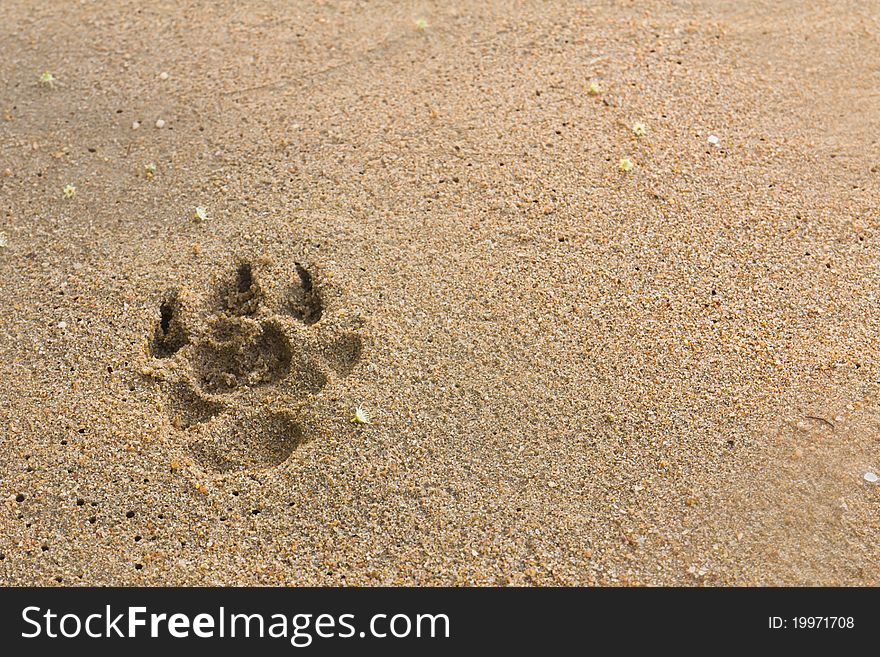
(242, 370)
(241, 352)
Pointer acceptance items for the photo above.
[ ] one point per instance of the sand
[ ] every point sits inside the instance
(572, 374)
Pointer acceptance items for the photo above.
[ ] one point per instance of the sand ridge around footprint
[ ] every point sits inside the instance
(240, 368)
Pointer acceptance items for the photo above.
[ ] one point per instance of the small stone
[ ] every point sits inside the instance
(871, 477)
(62, 325)
(160, 123)
(163, 75)
(625, 164)
(135, 125)
(714, 140)
(639, 129)
(7, 173)
(594, 89)
(4, 242)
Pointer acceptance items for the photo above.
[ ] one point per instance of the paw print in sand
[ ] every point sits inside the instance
(242, 368)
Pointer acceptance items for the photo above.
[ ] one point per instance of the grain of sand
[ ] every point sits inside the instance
(573, 374)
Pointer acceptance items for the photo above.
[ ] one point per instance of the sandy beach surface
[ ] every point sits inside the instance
(602, 279)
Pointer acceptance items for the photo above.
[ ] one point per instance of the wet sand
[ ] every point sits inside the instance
(570, 373)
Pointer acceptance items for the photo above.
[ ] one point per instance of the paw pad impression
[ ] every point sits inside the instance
(239, 370)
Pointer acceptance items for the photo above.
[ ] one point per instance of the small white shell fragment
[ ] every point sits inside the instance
(871, 477)
(714, 140)
(163, 75)
(62, 325)
(360, 416)
(135, 125)
(160, 123)
(4, 241)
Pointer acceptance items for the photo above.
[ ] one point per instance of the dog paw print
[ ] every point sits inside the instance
(241, 368)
